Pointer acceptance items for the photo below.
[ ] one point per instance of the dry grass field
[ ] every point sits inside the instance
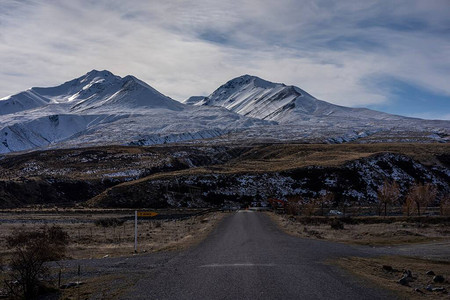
(280, 157)
(89, 239)
(370, 231)
(175, 229)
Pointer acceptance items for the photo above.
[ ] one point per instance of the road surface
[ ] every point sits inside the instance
(247, 257)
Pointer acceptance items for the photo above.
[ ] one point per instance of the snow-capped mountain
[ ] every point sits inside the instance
(254, 97)
(101, 108)
(94, 90)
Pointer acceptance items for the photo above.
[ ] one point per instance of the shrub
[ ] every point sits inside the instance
(293, 205)
(30, 251)
(109, 222)
(336, 224)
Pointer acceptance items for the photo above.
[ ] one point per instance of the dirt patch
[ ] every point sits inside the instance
(389, 232)
(386, 272)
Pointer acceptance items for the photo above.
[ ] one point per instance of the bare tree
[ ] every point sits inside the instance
(323, 200)
(388, 194)
(422, 195)
(408, 205)
(309, 207)
(30, 251)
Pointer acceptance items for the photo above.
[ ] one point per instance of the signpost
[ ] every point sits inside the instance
(140, 214)
(146, 213)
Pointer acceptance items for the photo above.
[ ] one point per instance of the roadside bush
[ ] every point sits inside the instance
(30, 251)
(109, 222)
(349, 220)
(293, 205)
(336, 224)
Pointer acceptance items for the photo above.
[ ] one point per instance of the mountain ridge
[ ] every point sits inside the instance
(92, 90)
(100, 108)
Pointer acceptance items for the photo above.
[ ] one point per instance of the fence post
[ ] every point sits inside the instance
(135, 231)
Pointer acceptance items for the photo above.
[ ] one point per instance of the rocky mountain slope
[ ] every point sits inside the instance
(197, 176)
(66, 177)
(353, 183)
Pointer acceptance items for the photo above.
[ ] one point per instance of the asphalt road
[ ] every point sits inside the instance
(247, 257)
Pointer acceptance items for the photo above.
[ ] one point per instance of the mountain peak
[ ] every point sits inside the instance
(246, 79)
(251, 96)
(93, 90)
(95, 75)
(95, 72)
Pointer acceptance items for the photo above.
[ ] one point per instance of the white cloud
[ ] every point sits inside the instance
(183, 48)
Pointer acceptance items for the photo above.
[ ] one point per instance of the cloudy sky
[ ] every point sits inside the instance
(391, 55)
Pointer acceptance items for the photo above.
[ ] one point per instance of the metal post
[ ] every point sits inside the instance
(135, 231)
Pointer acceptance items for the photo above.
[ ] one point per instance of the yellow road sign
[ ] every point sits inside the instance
(146, 213)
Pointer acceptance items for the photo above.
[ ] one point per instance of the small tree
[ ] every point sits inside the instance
(344, 205)
(309, 207)
(388, 194)
(30, 251)
(323, 200)
(445, 205)
(422, 195)
(408, 205)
